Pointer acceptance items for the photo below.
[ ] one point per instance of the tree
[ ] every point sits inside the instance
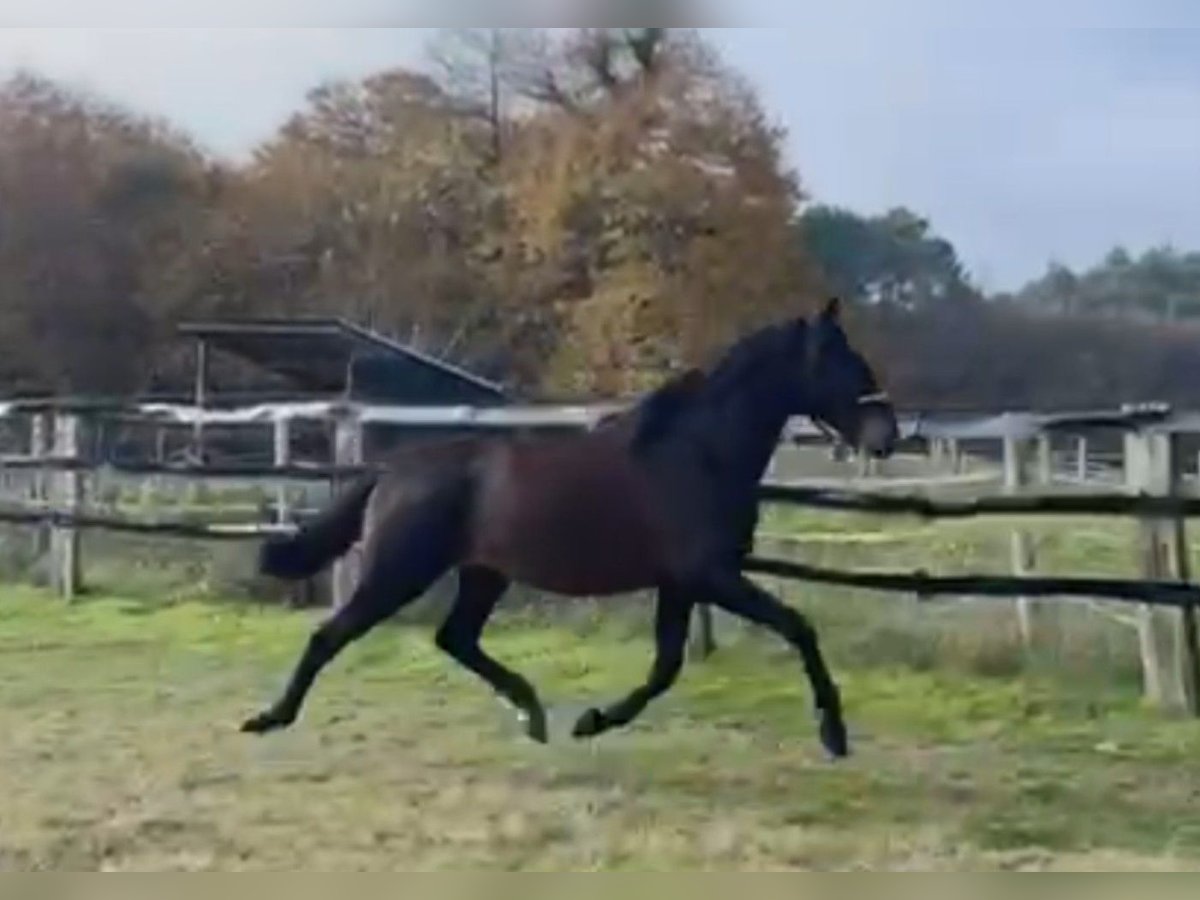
(99, 206)
(371, 203)
(648, 208)
(893, 259)
(1162, 284)
(483, 70)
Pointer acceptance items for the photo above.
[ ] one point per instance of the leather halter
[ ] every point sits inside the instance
(878, 398)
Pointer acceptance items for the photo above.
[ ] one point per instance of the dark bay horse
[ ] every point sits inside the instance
(662, 496)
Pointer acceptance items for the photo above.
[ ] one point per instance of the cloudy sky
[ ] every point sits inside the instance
(1048, 129)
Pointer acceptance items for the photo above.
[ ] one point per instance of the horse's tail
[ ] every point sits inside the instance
(321, 540)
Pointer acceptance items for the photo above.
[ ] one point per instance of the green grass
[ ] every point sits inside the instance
(1065, 545)
(119, 752)
(1074, 642)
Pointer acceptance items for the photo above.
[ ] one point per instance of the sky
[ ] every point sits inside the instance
(1043, 130)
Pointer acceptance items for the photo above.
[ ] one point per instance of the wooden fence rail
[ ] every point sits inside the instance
(1168, 594)
(1153, 593)
(1140, 504)
(188, 528)
(1027, 504)
(231, 471)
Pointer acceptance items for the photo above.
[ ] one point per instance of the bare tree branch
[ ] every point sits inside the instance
(645, 45)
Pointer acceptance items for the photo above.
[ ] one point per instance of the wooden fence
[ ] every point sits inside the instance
(1033, 483)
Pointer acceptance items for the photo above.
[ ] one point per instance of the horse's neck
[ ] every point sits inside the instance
(746, 438)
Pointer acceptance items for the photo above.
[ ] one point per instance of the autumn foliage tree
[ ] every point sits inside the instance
(97, 208)
(367, 204)
(576, 214)
(647, 208)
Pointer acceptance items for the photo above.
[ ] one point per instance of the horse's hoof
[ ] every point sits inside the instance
(265, 723)
(536, 727)
(834, 737)
(590, 725)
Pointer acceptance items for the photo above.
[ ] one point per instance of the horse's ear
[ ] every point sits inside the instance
(832, 312)
(827, 330)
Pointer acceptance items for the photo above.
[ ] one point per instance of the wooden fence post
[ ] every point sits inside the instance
(67, 497)
(200, 400)
(303, 593)
(282, 434)
(1081, 458)
(347, 451)
(1018, 475)
(957, 457)
(1187, 643)
(39, 447)
(702, 640)
(935, 448)
(1168, 637)
(152, 485)
(1045, 460)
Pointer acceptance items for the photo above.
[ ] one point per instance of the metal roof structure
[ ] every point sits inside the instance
(335, 357)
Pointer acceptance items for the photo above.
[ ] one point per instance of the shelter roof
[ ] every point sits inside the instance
(333, 356)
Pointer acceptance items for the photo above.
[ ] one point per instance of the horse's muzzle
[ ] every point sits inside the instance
(878, 433)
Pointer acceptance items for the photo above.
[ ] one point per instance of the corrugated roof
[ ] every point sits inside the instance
(318, 355)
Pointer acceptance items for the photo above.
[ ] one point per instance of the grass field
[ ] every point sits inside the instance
(119, 751)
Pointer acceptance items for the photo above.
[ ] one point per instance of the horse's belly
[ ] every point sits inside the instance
(571, 529)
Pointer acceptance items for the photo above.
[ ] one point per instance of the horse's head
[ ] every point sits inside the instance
(808, 368)
(837, 389)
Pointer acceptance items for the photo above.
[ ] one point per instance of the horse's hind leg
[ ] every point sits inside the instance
(479, 590)
(371, 604)
(406, 561)
(672, 615)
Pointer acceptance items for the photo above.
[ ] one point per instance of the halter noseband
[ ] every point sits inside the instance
(878, 398)
(869, 399)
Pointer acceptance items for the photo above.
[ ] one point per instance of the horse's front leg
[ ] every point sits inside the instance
(742, 597)
(672, 615)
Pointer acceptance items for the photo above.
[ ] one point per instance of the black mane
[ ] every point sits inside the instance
(660, 410)
(655, 411)
(745, 358)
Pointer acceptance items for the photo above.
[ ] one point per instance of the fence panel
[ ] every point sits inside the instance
(1153, 494)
